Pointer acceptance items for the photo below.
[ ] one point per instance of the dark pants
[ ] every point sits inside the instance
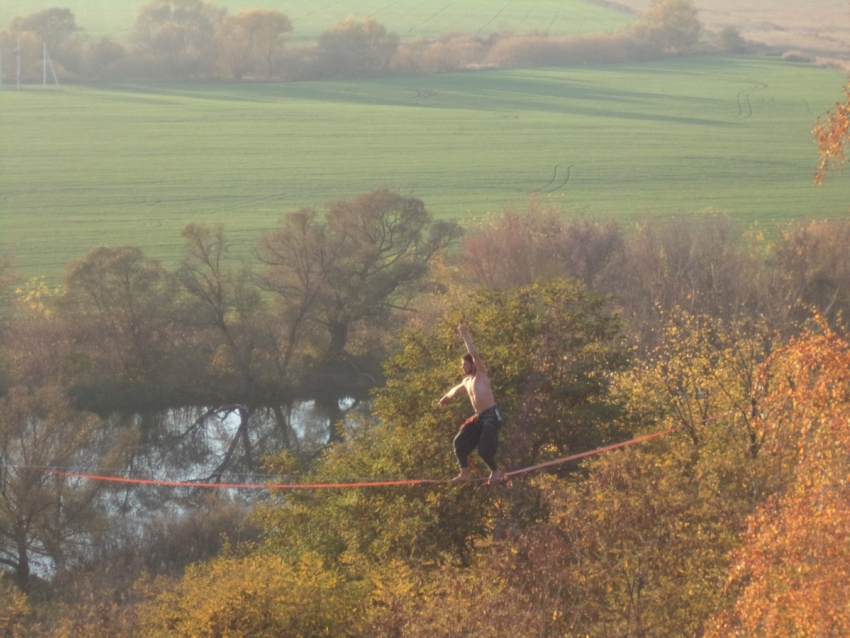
(482, 431)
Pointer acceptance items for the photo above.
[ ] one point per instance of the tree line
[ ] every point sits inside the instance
(322, 358)
(183, 40)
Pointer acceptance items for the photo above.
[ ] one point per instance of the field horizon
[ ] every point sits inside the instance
(405, 18)
(823, 31)
(82, 166)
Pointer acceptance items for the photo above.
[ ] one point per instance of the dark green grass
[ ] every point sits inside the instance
(406, 18)
(84, 166)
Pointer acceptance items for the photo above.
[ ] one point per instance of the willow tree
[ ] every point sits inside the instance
(120, 309)
(47, 520)
(342, 281)
(177, 37)
(252, 41)
(355, 47)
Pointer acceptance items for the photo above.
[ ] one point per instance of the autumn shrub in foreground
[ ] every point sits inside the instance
(260, 596)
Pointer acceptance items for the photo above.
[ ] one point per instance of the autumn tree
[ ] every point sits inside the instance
(46, 518)
(731, 41)
(670, 25)
(234, 340)
(355, 48)
(792, 574)
(256, 596)
(833, 138)
(517, 248)
(637, 543)
(226, 311)
(698, 264)
(808, 271)
(120, 306)
(57, 29)
(33, 337)
(177, 36)
(550, 350)
(7, 284)
(106, 59)
(647, 533)
(252, 40)
(339, 280)
(702, 263)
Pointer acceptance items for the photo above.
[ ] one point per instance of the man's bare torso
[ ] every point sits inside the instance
(478, 388)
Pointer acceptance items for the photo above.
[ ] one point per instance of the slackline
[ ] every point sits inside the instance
(324, 486)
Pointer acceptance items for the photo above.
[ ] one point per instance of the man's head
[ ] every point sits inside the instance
(468, 365)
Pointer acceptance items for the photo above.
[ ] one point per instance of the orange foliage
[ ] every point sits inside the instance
(833, 138)
(794, 566)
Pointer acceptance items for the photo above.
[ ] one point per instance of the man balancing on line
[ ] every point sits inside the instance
(483, 428)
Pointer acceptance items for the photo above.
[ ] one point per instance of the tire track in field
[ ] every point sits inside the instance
(563, 182)
(547, 184)
(431, 17)
(324, 8)
(808, 107)
(230, 203)
(522, 22)
(745, 104)
(549, 26)
(391, 4)
(493, 19)
(556, 183)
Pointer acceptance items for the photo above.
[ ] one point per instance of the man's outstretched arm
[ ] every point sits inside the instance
(451, 394)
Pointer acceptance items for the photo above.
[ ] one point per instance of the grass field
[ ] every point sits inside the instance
(85, 166)
(406, 18)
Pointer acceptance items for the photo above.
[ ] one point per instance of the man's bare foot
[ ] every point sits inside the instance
(463, 476)
(496, 476)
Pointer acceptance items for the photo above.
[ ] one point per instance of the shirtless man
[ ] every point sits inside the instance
(481, 430)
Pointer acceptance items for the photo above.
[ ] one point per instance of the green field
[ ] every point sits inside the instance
(407, 18)
(81, 166)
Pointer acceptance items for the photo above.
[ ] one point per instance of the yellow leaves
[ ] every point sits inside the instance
(36, 297)
(260, 595)
(222, 361)
(14, 609)
(832, 138)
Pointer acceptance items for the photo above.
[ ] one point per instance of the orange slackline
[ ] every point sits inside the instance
(592, 452)
(320, 486)
(242, 486)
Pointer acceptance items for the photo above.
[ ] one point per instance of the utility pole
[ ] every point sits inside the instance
(17, 53)
(45, 63)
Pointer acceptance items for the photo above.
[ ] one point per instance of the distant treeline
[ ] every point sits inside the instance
(180, 40)
(327, 352)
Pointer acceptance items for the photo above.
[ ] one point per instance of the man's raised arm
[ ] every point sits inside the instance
(472, 350)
